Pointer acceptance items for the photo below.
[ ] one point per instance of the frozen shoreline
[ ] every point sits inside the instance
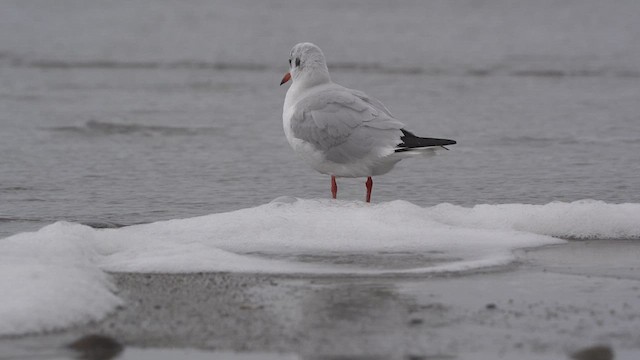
(539, 308)
(56, 277)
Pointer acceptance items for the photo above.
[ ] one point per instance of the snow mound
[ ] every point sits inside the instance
(584, 219)
(56, 277)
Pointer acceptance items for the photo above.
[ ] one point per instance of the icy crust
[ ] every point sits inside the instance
(56, 277)
(257, 239)
(584, 219)
(49, 279)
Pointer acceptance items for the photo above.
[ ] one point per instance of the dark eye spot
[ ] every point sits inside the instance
(289, 62)
(297, 61)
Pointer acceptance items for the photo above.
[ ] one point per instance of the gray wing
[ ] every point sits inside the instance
(346, 125)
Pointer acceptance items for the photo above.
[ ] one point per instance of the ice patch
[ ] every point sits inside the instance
(584, 219)
(49, 279)
(306, 236)
(55, 277)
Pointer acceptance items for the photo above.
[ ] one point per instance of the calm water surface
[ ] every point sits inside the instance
(114, 115)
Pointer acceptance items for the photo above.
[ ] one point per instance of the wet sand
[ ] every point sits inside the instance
(554, 302)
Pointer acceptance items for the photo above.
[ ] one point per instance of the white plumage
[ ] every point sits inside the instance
(339, 131)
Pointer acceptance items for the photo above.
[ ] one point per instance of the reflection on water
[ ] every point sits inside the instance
(96, 347)
(353, 261)
(98, 128)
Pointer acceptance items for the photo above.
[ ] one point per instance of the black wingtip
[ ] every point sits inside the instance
(410, 141)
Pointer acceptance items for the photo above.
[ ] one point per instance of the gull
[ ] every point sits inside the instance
(339, 131)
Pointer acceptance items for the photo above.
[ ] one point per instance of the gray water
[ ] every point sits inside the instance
(117, 113)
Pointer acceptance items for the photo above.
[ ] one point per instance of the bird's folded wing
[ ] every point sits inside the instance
(371, 101)
(344, 125)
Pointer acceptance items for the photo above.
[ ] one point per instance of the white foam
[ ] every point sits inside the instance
(56, 276)
(584, 219)
(49, 279)
(229, 241)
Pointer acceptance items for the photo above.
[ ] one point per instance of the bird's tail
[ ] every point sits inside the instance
(412, 143)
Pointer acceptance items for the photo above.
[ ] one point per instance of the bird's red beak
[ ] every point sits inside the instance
(286, 78)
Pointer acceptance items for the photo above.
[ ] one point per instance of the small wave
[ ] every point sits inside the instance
(536, 140)
(97, 224)
(384, 69)
(16, 219)
(99, 128)
(14, 188)
(10, 219)
(222, 66)
(114, 64)
(103, 224)
(518, 69)
(528, 140)
(554, 73)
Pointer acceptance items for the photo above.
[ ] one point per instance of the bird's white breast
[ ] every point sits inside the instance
(302, 148)
(294, 95)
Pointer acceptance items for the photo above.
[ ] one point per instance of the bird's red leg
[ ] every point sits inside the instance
(369, 184)
(334, 187)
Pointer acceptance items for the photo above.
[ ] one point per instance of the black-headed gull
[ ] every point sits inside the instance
(342, 132)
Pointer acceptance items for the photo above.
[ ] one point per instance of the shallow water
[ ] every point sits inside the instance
(115, 114)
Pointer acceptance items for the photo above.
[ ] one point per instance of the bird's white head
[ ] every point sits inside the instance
(307, 66)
